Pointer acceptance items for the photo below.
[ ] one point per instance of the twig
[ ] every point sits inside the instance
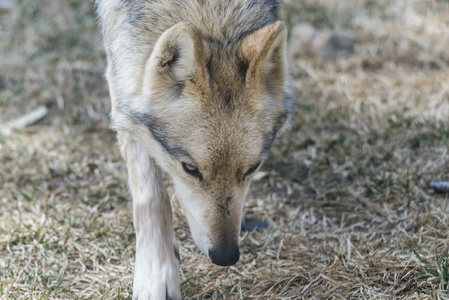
(28, 119)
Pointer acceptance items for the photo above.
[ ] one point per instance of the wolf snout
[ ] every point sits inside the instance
(224, 256)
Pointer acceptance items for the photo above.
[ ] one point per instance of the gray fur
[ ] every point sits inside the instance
(221, 24)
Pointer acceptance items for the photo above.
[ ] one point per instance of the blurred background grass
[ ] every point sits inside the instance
(346, 191)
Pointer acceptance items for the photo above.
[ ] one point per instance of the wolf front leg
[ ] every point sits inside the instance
(156, 274)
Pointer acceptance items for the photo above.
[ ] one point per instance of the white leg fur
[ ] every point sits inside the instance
(156, 274)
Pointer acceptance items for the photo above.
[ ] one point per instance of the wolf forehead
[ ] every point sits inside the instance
(224, 135)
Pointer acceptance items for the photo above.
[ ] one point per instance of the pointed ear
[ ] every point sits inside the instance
(264, 53)
(176, 60)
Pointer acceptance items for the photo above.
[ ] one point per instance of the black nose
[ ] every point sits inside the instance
(224, 256)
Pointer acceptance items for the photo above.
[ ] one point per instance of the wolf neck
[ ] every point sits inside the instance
(222, 21)
(227, 22)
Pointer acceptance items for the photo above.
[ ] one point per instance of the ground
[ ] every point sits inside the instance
(345, 192)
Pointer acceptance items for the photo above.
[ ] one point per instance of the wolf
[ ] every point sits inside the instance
(199, 90)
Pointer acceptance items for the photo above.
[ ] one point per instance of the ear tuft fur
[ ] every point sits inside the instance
(264, 52)
(176, 60)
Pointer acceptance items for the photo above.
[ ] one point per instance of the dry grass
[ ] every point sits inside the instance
(346, 191)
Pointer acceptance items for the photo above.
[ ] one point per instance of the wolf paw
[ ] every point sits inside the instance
(167, 296)
(156, 291)
(157, 278)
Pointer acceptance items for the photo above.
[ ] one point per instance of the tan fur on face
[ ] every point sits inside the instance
(214, 109)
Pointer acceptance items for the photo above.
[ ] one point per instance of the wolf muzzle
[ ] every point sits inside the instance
(225, 256)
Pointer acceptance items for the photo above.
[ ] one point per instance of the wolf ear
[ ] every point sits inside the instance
(264, 53)
(176, 60)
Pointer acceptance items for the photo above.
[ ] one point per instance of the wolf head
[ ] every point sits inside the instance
(208, 114)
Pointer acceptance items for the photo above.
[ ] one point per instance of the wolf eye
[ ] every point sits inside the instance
(192, 170)
(252, 169)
